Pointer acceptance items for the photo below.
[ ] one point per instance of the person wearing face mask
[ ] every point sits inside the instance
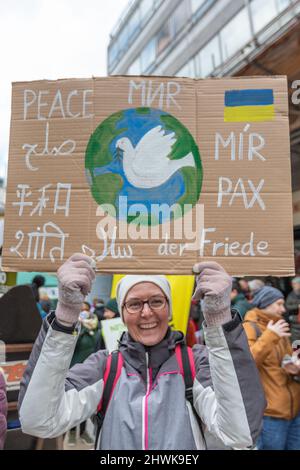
(268, 336)
(149, 408)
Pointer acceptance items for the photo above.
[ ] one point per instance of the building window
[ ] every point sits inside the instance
(188, 70)
(146, 7)
(134, 24)
(123, 39)
(196, 4)
(262, 13)
(157, 3)
(282, 5)
(148, 55)
(131, 29)
(163, 37)
(235, 34)
(135, 67)
(208, 58)
(266, 11)
(113, 53)
(179, 18)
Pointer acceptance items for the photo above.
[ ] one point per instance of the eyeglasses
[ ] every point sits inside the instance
(156, 302)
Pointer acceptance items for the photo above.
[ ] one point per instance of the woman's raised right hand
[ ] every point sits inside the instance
(75, 278)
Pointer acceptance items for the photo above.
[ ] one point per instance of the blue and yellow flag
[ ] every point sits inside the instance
(249, 105)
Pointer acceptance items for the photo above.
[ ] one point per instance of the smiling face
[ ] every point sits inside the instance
(148, 327)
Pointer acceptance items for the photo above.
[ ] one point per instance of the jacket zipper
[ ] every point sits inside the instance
(145, 404)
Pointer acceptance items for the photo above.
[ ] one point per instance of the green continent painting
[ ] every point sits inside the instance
(144, 158)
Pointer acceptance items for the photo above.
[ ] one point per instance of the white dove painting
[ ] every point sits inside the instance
(147, 157)
(148, 164)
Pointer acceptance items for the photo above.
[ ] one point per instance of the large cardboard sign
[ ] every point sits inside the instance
(150, 175)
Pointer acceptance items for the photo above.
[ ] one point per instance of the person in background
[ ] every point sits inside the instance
(190, 337)
(193, 327)
(111, 309)
(268, 337)
(244, 287)
(293, 308)
(254, 285)
(98, 307)
(293, 299)
(149, 408)
(45, 307)
(196, 314)
(37, 282)
(3, 409)
(85, 311)
(238, 299)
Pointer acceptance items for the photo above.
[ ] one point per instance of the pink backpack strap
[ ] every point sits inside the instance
(192, 362)
(112, 374)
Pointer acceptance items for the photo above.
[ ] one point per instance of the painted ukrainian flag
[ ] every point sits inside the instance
(249, 105)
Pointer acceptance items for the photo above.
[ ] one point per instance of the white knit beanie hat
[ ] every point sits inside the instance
(127, 282)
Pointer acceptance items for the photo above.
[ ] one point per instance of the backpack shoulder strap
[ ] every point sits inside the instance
(111, 376)
(186, 363)
(255, 327)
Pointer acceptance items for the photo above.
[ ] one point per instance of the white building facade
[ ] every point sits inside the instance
(196, 38)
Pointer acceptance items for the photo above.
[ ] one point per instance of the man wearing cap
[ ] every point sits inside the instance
(148, 409)
(268, 336)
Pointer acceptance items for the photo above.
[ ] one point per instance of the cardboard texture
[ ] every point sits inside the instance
(96, 164)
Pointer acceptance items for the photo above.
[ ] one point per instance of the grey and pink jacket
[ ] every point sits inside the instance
(3, 410)
(148, 409)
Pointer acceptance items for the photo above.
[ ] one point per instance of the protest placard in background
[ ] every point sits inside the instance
(111, 330)
(150, 174)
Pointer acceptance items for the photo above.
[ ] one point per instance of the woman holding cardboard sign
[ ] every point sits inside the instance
(164, 396)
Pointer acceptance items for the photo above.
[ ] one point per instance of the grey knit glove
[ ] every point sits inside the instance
(214, 288)
(75, 279)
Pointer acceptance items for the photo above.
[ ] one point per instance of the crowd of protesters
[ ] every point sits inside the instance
(272, 326)
(148, 395)
(271, 323)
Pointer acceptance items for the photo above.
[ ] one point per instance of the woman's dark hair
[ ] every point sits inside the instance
(39, 280)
